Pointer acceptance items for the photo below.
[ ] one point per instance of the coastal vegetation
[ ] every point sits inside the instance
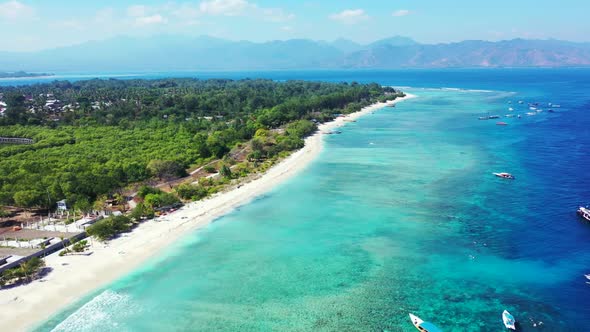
(108, 228)
(25, 272)
(93, 138)
(77, 247)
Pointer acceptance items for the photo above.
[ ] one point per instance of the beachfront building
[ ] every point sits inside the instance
(61, 205)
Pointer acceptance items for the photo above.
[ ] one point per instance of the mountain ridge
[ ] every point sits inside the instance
(172, 52)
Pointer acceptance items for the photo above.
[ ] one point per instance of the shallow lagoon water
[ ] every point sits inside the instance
(399, 214)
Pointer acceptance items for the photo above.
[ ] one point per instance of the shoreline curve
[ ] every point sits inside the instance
(27, 306)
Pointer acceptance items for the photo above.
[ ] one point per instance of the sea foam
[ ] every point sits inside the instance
(98, 314)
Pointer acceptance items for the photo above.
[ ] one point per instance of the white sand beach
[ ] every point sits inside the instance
(72, 277)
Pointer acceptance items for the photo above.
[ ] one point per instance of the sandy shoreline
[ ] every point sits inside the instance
(72, 277)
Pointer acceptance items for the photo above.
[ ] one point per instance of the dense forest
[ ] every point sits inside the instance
(91, 138)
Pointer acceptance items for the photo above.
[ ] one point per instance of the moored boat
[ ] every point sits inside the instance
(508, 320)
(504, 175)
(584, 213)
(422, 325)
(501, 123)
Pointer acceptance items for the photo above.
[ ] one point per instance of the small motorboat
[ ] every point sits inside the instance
(483, 118)
(493, 117)
(501, 123)
(587, 276)
(508, 320)
(521, 102)
(510, 109)
(584, 212)
(550, 111)
(422, 325)
(504, 175)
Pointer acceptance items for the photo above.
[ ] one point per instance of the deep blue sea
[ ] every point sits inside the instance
(400, 213)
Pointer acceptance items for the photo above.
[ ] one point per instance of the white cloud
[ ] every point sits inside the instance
(148, 20)
(276, 15)
(185, 12)
(243, 8)
(68, 24)
(104, 15)
(14, 10)
(350, 16)
(401, 12)
(225, 7)
(137, 11)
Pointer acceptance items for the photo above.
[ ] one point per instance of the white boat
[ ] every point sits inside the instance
(584, 213)
(422, 325)
(587, 276)
(504, 175)
(508, 320)
(510, 109)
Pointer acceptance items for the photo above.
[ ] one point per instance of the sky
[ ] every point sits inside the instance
(29, 25)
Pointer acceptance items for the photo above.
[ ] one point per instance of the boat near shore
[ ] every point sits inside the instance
(489, 117)
(422, 325)
(505, 175)
(508, 320)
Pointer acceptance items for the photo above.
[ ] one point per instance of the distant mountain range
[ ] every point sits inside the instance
(167, 53)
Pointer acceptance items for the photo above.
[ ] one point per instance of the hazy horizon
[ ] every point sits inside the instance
(164, 37)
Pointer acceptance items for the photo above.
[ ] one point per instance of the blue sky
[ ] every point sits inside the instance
(38, 24)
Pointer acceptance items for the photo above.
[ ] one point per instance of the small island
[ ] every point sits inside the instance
(20, 74)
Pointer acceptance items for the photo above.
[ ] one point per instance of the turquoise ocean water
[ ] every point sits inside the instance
(400, 213)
